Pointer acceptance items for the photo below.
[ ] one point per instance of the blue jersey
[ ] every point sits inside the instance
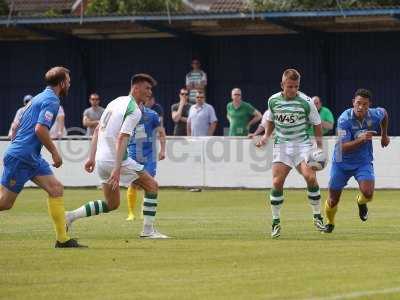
(42, 109)
(349, 128)
(142, 146)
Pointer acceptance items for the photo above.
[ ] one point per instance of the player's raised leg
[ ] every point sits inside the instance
(279, 174)
(7, 198)
(95, 207)
(313, 193)
(150, 203)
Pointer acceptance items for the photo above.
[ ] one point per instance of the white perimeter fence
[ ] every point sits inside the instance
(219, 162)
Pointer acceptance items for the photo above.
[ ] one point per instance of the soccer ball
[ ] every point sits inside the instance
(316, 160)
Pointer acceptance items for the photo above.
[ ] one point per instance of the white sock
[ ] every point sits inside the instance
(314, 196)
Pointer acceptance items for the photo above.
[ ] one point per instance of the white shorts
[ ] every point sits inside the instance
(291, 155)
(129, 171)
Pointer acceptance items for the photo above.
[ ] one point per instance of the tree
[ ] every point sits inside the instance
(128, 7)
(3, 8)
(318, 4)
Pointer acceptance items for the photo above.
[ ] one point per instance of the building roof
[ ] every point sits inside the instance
(204, 23)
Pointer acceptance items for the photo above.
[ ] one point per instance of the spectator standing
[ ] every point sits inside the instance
(17, 117)
(92, 115)
(180, 113)
(327, 119)
(196, 80)
(241, 114)
(202, 120)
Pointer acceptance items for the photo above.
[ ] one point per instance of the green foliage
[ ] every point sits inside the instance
(3, 7)
(52, 13)
(104, 7)
(101, 7)
(316, 4)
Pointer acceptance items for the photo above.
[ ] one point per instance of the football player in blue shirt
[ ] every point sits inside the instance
(23, 161)
(142, 148)
(353, 154)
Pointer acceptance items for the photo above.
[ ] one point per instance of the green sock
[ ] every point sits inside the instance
(150, 203)
(276, 198)
(91, 208)
(314, 197)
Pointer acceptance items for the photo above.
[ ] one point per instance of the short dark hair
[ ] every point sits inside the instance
(137, 78)
(363, 93)
(56, 75)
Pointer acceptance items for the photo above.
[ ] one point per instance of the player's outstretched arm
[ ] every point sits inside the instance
(385, 140)
(90, 163)
(318, 135)
(162, 137)
(42, 132)
(260, 129)
(122, 145)
(270, 126)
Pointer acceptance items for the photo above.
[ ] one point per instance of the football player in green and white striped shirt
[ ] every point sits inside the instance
(290, 113)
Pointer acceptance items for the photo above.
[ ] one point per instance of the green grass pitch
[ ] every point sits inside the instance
(221, 249)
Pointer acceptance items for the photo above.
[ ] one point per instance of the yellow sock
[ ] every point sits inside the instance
(131, 196)
(57, 213)
(330, 213)
(361, 199)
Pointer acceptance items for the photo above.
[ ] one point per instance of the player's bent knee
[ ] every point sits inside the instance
(368, 195)
(310, 178)
(277, 183)
(5, 205)
(332, 202)
(56, 190)
(153, 187)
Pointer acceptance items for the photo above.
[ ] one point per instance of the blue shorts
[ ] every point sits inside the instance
(151, 167)
(340, 175)
(16, 172)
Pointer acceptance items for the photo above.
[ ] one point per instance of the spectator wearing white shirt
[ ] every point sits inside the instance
(202, 120)
(17, 117)
(58, 130)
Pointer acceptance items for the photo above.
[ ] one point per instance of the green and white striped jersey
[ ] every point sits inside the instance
(292, 117)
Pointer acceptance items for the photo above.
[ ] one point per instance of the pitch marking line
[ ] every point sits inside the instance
(357, 294)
